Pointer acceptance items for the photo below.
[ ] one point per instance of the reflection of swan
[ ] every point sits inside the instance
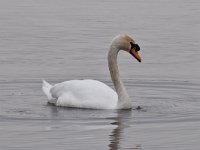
(118, 137)
(121, 122)
(95, 94)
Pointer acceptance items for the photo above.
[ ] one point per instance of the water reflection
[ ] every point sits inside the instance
(121, 122)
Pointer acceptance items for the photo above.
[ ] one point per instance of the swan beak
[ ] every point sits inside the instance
(135, 54)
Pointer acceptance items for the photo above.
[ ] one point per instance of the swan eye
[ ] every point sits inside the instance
(135, 46)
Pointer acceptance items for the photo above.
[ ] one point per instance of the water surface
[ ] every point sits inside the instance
(62, 40)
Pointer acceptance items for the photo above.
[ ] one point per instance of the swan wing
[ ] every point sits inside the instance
(84, 94)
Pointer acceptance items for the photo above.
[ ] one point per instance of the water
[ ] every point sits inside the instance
(62, 40)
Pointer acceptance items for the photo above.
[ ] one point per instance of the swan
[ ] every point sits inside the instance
(93, 94)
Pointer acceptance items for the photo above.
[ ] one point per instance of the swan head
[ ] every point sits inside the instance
(126, 43)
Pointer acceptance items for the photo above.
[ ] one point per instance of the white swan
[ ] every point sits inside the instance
(94, 94)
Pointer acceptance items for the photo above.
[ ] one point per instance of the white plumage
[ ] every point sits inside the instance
(81, 94)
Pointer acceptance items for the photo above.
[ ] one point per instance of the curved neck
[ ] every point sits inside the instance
(123, 98)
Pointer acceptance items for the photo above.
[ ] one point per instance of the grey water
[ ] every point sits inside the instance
(62, 40)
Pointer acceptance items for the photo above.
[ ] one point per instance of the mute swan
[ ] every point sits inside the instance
(94, 94)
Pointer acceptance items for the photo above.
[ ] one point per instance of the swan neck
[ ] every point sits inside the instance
(123, 98)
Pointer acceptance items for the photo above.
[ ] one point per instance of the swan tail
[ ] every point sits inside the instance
(46, 87)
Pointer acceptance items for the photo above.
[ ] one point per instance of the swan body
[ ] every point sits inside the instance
(82, 94)
(94, 94)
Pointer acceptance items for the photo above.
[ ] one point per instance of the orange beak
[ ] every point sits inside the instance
(135, 54)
